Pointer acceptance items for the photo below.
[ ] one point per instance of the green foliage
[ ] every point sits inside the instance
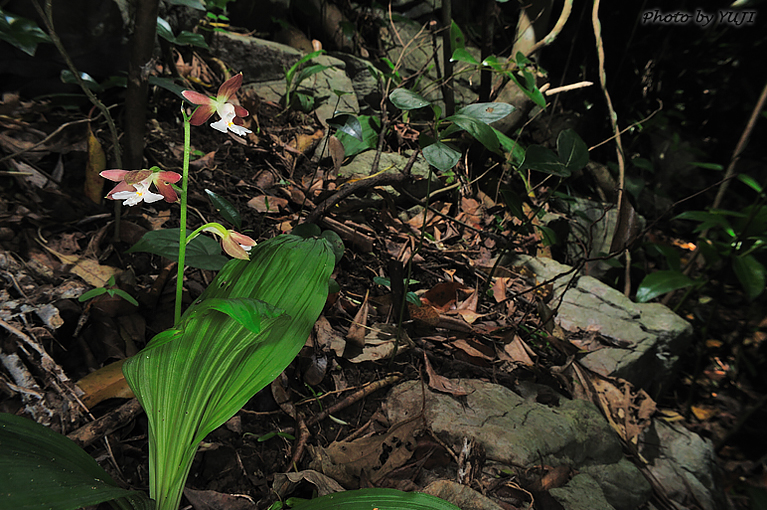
(369, 127)
(42, 469)
(21, 33)
(183, 39)
(366, 499)
(572, 155)
(295, 76)
(233, 341)
(201, 252)
(110, 290)
(473, 119)
(227, 210)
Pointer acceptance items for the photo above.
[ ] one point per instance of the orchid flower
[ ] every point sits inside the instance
(231, 114)
(133, 186)
(235, 244)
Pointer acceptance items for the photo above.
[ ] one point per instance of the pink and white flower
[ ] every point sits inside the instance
(235, 244)
(133, 186)
(231, 114)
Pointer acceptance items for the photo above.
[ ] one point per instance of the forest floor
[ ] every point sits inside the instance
(54, 238)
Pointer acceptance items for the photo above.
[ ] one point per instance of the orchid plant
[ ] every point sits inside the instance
(135, 187)
(239, 335)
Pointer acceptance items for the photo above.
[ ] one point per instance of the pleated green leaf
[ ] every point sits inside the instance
(42, 469)
(369, 499)
(192, 379)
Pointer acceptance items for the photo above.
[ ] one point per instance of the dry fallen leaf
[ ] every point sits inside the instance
(442, 383)
(267, 204)
(358, 328)
(97, 163)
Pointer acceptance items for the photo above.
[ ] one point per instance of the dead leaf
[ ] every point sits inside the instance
(327, 338)
(442, 296)
(472, 349)
(499, 289)
(97, 163)
(212, 500)
(442, 383)
(517, 351)
(336, 149)
(704, 413)
(207, 161)
(267, 204)
(380, 342)
(358, 328)
(371, 457)
(89, 270)
(104, 383)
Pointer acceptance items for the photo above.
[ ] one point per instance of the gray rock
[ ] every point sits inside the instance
(622, 484)
(684, 464)
(512, 430)
(259, 60)
(645, 340)
(461, 496)
(581, 493)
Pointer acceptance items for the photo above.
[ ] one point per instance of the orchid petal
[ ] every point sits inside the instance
(114, 175)
(138, 176)
(220, 125)
(229, 87)
(240, 111)
(196, 98)
(202, 114)
(121, 187)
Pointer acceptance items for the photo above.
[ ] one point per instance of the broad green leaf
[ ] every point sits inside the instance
(335, 243)
(549, 236)
(42, 469)
(68, 77)
(165, 83)
(751, 275)
(457, 39)
(478, 129)
(708, 220)
(347, 123)
(290, 73)
(246, 311)
(191, 379)
(164, 30)
(367, 499)
(670, 253)
(493, 62)
(513, 149)
(513, 203)
(369, 131)
(194, 4)
(306, 230)
(407, 99)
(542, 159)
(660, 282)
(227, 210)
(487, 112)
(308, 71)
(21, 32)
(192, 39)
(572, 151)
(461, 55)
(441, 156)
(202, 252)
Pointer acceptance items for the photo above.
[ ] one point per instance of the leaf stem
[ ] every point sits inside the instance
(182, 225)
